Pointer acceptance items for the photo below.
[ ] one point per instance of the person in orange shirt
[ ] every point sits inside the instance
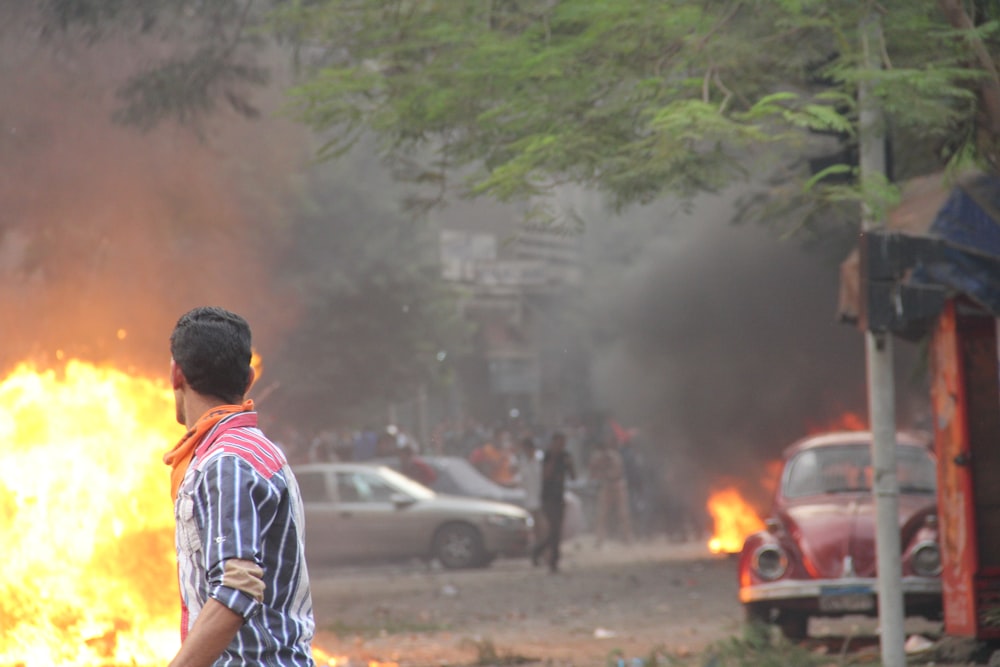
(496, 459)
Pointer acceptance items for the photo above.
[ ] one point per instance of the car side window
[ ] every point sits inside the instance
(347, 490)
(312, 487)
(803, 476)
(362, 487)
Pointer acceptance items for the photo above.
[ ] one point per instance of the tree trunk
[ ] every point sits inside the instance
(989, 89)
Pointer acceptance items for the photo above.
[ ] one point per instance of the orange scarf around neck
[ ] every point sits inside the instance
(180, 456)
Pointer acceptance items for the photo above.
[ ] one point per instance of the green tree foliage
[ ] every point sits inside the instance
(633, 98)
(375, 314)
(208, 53)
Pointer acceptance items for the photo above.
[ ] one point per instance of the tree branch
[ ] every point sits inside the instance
(718, 26)
(728, 93)
(990, 87)
(238, 32)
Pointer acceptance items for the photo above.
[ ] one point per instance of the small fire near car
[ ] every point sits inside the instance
(817, 555)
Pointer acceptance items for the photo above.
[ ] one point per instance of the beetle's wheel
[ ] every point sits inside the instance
(758, 614)
(794, 624)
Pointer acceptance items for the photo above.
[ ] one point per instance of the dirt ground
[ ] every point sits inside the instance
(628, 601)
(631, 599)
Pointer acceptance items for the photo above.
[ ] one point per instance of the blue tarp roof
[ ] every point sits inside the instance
(962, 217)
(969, 224)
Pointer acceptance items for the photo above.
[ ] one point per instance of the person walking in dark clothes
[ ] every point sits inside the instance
(556, 467)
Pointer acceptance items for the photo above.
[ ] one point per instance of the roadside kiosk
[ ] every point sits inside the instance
(935, 271)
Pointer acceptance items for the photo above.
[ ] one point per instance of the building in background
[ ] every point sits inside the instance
(512, 290)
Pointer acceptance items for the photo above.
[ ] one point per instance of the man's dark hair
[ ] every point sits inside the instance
(212, 347)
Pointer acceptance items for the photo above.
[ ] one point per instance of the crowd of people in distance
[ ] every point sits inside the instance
(618, 483)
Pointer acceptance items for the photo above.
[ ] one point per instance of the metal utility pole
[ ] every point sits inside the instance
(423, 421)
(881, 387)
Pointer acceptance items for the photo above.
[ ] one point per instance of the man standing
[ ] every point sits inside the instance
(608, 469)
(556, 467)
(245, 596)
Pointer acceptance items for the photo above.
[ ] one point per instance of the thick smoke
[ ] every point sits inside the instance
(720, 342)
(108, 234)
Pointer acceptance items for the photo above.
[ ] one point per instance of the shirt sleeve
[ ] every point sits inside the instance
(236, 502)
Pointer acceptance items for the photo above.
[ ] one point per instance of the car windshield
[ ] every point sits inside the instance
(848, 469)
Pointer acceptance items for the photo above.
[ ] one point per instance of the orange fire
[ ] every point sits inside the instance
(258, 365)
(733, 519)
(324, 659)
(772, 476)
(848, 421)
(86, 522)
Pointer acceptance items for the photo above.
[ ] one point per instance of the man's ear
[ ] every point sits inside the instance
(251, 378)
(177, 379)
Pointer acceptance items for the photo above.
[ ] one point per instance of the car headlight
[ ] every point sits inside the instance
(926, 559)
(769, 562)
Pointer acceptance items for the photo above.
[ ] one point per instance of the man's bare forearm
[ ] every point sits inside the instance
(212, 632)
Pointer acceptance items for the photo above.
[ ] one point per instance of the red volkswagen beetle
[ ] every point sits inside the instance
(817, 555)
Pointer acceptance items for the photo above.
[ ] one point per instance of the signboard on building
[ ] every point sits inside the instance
(461, 251)
(511, 273)
(513, 376)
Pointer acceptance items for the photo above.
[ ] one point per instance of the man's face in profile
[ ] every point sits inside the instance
(177, 381)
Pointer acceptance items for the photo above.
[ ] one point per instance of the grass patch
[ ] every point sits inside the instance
(759, 647)
(658, 656)
(488, 654)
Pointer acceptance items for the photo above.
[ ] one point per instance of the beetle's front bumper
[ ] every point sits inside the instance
(787, 589)
(921, 595)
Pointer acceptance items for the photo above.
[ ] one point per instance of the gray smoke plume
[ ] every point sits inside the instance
(719, 342)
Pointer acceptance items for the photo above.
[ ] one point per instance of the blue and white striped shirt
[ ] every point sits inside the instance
(238, 510)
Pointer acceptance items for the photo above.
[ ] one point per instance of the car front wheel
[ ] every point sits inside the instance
(458, 545)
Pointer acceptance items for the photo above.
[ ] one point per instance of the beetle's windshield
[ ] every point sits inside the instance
(848, 469)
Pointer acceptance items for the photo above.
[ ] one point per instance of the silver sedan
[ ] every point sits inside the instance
(361, 513)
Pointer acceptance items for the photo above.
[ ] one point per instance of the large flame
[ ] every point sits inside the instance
(733, 518)
(86, 523)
